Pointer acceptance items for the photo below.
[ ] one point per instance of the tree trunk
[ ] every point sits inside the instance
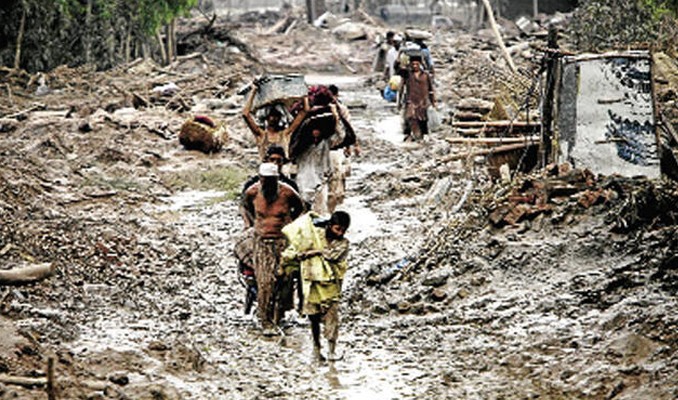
(173, 37)
(145, 49)
(88, 32)
(314, 9)
(163, 52)
(128, 44)
(20, 37)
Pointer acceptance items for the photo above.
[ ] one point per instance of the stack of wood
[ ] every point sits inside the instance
(473, 109)
(484, 128)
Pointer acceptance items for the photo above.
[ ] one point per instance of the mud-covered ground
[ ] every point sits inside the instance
(439, 303)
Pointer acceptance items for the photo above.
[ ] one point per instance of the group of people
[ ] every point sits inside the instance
(288, 239)
(409, 72)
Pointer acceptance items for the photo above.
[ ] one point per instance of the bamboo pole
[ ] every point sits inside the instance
(489, 141)
(484, 152)
(495, 29)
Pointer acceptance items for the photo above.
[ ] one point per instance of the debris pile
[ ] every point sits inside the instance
(561, 191)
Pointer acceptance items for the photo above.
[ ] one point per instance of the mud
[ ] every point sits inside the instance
(438, 303)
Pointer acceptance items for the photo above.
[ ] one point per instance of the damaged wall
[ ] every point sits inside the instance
(513, 9)
(605, 117)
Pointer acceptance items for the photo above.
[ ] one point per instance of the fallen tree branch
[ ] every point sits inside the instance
(22, 114)
(156, 131)
(30, 274)
(22, 381)
(289, 28)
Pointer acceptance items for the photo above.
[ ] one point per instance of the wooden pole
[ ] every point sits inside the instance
(484, 152)
(51, 387)
(497, 34)
(491, 141)
(551, 62)
(494, 124)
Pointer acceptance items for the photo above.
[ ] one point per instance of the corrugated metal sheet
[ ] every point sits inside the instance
(605, 118)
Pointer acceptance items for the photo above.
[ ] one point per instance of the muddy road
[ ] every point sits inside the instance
(495, 314)
(203, 346)
(439, 302)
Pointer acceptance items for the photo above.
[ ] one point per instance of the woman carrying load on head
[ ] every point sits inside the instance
(274, 131)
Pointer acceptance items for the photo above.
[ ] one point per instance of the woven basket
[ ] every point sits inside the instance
(198, 136)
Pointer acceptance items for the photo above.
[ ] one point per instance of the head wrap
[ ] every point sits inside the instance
(268, 169)
(319, 95)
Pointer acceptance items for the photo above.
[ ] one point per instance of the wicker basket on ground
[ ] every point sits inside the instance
(203, 134)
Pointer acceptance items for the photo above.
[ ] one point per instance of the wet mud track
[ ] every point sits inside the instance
(190, 338)
(539, 311)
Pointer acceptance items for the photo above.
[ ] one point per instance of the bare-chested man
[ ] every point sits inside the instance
(269, 205)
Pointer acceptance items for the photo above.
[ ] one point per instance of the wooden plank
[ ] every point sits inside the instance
(484, 152)
(495, 124)
(490, 141)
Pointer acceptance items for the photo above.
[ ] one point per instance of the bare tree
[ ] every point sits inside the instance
(314, 9)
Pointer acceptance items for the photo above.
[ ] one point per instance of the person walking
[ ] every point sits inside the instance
(274, 130)
(320, 250)
(418, 97)
(268, 206)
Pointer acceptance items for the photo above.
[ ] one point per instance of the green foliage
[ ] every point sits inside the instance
(661, 8)
(227, 179)
(599, 25)
(74, 32)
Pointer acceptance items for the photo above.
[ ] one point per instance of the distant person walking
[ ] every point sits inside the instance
(340, 161)
(418, 97)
